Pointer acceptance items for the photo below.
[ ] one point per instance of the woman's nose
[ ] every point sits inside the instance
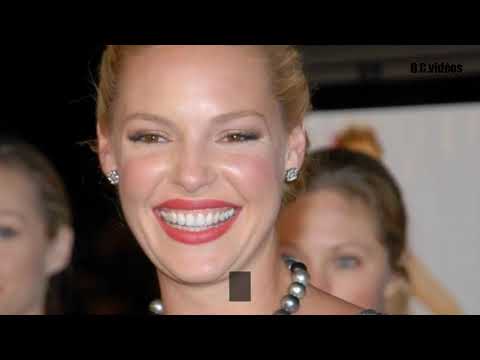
(194, 169)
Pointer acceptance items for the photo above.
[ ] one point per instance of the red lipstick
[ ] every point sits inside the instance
(199, 237)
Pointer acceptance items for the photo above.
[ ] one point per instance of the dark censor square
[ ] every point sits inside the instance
(240, 286)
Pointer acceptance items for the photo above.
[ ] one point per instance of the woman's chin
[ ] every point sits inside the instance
(196, 273)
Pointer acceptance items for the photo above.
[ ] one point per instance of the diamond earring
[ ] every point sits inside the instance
(292, 175)
(113, 177)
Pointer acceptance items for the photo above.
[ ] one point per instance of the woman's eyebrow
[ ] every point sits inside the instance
(12, 213)
(219, 118)
(238, 114)
(352, 245)
(148, 117)
(225, 118)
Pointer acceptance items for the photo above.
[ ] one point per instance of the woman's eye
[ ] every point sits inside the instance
(148, 138)
(241, 137)
(7, 232)
(347, 262)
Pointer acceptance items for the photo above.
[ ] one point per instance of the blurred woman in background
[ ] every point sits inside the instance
(349, 228)
(423, 286)
(36, 234)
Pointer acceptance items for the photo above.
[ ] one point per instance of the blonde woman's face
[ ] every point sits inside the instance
(337, 238)
(23, 246)
(201, 150)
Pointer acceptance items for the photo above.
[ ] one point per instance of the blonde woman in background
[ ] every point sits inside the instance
(422, 284)
(350, 228)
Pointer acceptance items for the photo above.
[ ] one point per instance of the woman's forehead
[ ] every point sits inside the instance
(193, 61)
(17, 192)
(194, 81)
(186, 64)
(328, 211)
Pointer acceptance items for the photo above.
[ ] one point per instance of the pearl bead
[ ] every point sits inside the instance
(156, 307)
(301, 276)
(290, 304)
(298, 265)
(297, 290)
(289, 261)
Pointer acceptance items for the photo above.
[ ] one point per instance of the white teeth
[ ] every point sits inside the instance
(209, 219)
(190, 220)
(181, 219)
(196, 221)
(200, 220)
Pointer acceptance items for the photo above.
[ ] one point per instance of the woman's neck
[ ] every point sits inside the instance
(269, 280)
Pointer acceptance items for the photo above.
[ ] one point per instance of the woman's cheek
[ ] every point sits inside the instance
(250, 172)
(363, 288)
(22, 268)
(253, 175)
(139, 176)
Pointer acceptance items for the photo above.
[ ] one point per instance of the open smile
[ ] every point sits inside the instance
(195, 222)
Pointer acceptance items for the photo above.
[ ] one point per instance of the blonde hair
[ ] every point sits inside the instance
(289, 84)
(358, 134)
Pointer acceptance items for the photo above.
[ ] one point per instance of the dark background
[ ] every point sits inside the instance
(51, 103)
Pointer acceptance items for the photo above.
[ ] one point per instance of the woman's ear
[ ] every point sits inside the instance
(105, 151)
(59, 251)
(296, 147)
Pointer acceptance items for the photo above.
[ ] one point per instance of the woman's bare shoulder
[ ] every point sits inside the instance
(318, 302)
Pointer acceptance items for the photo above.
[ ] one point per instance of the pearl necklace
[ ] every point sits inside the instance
(289, 304)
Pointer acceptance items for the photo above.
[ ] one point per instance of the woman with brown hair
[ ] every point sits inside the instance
(349, 227)
(421, 284)
(36, 233)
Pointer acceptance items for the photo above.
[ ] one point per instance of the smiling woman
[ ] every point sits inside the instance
(200, 140)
